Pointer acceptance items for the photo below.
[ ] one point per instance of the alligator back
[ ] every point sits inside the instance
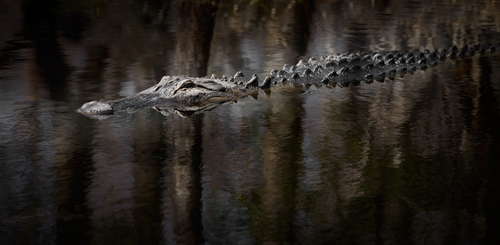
(353, 68)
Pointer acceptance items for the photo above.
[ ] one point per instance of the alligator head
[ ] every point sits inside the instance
(178, 93)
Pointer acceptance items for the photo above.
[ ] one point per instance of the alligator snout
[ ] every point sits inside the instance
(96, 108)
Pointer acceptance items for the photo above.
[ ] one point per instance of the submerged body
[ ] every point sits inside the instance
(188, 95)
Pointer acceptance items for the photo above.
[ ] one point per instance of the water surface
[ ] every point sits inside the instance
(408, 161)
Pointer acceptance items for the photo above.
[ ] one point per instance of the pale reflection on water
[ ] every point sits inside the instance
(407, 161)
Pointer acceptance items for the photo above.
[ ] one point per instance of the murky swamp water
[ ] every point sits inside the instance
(414, 160)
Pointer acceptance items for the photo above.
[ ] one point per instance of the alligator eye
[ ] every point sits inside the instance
(188, 85)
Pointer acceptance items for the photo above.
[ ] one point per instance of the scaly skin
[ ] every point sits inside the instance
(188, 95)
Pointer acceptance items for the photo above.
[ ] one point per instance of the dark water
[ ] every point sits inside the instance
(409, 161)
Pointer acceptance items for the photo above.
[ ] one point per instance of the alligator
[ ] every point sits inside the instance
(190, 95)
